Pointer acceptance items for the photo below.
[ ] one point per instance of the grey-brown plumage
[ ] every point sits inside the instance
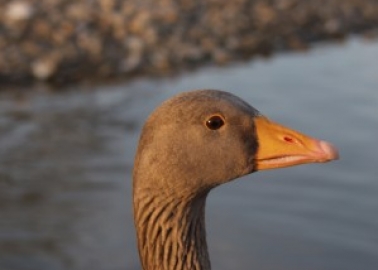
(180, 158)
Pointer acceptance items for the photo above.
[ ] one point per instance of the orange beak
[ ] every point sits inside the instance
(281, 147)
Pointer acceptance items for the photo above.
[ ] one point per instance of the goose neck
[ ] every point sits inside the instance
(171, 230)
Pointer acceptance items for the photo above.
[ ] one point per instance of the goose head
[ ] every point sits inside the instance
(190, 144)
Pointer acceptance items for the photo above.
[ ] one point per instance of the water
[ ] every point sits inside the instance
(66, 160)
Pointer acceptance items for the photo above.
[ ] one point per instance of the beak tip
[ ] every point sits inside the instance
(329, 150)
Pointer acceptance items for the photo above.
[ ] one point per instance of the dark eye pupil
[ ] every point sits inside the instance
(214, 122)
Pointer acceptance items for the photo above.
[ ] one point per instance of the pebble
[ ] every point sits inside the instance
(18, 10)
(43, 69)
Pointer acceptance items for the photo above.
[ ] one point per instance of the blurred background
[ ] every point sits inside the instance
(78, 79)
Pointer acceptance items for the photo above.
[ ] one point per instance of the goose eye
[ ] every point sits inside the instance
(215, 122)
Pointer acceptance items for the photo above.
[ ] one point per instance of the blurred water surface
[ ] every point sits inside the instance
(66, 160)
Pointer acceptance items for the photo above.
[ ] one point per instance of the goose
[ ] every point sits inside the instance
(193, 142)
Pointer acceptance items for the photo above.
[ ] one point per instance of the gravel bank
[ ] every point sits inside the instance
(70, 40)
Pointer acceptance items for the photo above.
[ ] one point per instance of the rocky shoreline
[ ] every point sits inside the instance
(62, 41)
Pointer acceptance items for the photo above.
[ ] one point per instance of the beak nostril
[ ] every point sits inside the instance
(288, 139)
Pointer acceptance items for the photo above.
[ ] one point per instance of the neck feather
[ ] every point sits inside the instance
(171, 230)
